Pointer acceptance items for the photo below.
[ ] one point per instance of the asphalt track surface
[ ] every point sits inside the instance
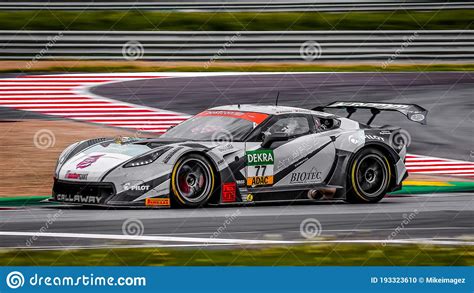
(446, 95)
(443, 217)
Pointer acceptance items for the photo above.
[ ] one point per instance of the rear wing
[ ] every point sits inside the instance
(413, 112)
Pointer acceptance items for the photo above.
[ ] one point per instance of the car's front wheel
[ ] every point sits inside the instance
(192, 181)
(369, 176)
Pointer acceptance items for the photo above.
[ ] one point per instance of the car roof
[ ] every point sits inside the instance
(269, 109)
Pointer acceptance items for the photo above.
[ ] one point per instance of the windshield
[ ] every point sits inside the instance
(217, 126)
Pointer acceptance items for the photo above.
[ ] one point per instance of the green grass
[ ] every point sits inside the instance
(306, 255)
(241, 67)
(453, 187)
(23, 200)
(146, 20)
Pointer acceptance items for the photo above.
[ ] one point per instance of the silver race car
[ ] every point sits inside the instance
(241, 154)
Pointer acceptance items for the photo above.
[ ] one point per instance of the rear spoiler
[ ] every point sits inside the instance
(413, 112)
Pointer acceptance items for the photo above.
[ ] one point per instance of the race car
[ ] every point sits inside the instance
(241, 154)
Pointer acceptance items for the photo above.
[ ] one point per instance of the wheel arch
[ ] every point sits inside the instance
(392, 156)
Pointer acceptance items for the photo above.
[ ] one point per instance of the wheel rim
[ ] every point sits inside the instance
(193, 180)
(371, 175)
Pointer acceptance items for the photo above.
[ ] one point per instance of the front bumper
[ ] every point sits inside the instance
(82, 192)
(101, 194)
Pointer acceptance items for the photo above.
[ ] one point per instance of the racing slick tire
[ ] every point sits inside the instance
(192, 181)
(368, 177)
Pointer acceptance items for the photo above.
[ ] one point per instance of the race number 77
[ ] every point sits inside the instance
(258, 168)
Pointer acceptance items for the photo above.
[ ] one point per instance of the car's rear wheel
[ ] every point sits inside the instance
(369, 176)
(192, 181)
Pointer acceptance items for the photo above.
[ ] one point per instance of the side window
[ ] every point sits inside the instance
(292, 126)
(323, 124)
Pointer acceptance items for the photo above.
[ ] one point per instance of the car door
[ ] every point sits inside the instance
(304, 159)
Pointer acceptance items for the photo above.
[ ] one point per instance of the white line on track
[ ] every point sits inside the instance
(147, 238)
(108, 246)
(209, 240)
(325, 231)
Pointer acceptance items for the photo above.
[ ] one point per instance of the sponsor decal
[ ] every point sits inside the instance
(260, 180)
(374, 137)
(76, 176)
(260, 157)
(240, 182)
(385, 132)
(78, 198)
(260, 165)
(224, 148)
(229, 191)
(306, 177)
(157, 201)
(249, 197)
(250, 116)
(88, 161)
(374, 105)
(417, 117)
(136, 186)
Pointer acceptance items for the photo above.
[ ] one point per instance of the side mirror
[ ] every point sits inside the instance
(269, 139)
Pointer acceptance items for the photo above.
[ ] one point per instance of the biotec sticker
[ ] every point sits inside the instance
(260, 167)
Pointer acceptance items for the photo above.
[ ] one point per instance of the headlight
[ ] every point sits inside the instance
(146, 159)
